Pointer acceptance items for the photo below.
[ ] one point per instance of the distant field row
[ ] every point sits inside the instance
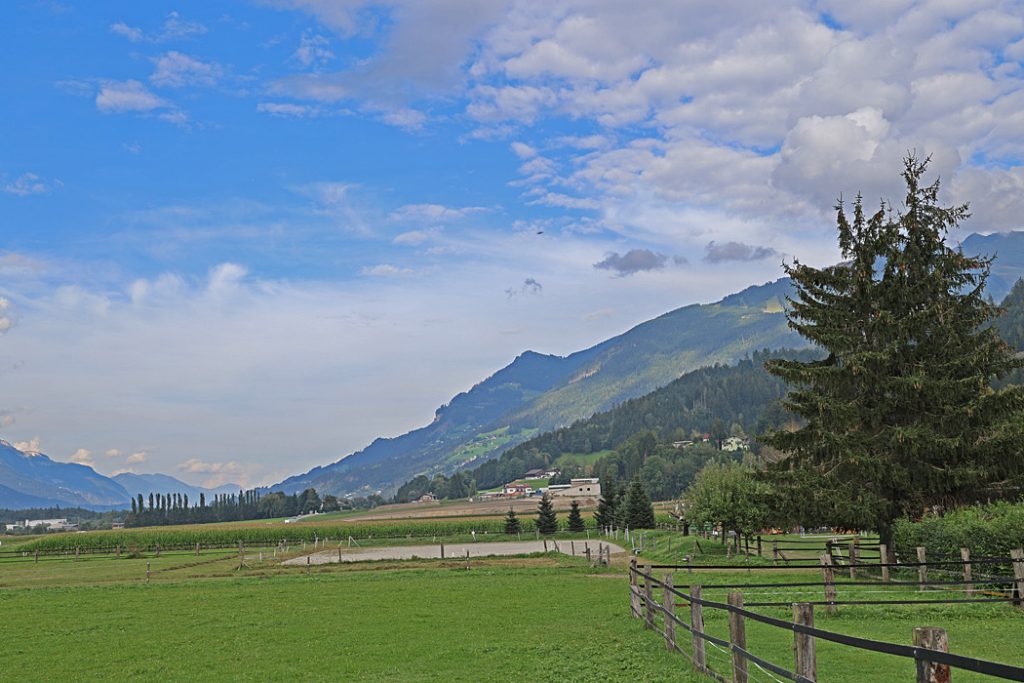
(147, 538)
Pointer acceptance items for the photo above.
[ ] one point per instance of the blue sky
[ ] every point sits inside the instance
(241, 239)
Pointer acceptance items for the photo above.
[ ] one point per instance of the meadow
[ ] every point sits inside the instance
(541, 617)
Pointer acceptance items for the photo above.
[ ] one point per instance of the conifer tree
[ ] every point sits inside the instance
(547, 522)
(512, 525)
(605, 514)
(637, 511)
(901, 414)
(575, 519)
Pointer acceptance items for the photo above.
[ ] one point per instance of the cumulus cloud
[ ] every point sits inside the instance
(736, 251)
(126, 96)
(83, 456)
(28, 184)
(385, 270)
(178, 70)
(136, 458)
(175, 27)
(30, 447)
(632, 262)
(313, 50)
(6, 418)
(219, 472)
(433, 213)
(289, 109)
(415, 237)
(113, 453)
(7, 318)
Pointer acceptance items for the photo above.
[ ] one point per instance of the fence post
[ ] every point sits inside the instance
(965, 555)
(648, 598)
(197, 550)
(572, 545)
(775, 552)
(738, 638)
(930, 638)
(147, 571)
(442, 550)
(830, 583)
(883, 553)
(803, 644)
(1018, 574)
(37, 556)
(759, 545)
(854, 557)
(922, 568)
(634, 591)
(669, 609)
(77, 550)
(697, 625)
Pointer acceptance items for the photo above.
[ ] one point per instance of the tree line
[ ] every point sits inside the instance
(175, 508)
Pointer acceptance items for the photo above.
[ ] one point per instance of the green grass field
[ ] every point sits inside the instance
(504, 619)
(450, 624)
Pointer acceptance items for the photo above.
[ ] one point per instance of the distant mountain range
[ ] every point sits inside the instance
(30, 480)
(538, 393)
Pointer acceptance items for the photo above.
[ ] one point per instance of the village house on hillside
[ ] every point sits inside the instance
(541, 473)
(577, 488)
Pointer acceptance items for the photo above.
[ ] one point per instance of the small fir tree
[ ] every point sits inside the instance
(575, 519)
(637, 511)
(547, 522)
(512, 525)
(605, 514)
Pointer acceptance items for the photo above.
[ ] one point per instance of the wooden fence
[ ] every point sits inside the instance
(930, 649)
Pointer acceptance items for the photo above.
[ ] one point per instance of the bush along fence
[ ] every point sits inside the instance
(930, 649)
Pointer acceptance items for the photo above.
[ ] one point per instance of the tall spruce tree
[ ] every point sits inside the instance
(512, 525)
(547, 522)
(901, 414)
(575, 518)
(637, 511)
(605, 514)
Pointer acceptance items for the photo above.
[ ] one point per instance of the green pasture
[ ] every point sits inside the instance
(498, 624)
(534, 617)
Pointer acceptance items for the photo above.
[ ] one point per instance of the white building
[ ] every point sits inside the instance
(49, 524)
(577, 488)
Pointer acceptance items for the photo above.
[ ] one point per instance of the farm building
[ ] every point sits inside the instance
(49, 524)
(577, 488)
(518, 490)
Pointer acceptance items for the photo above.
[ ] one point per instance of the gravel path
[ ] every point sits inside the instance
(456, 550)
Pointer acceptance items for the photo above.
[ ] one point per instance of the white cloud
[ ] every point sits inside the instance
(113, 453)
(136, 458)
(289, 109)
(7, 317)
(433, 213)
(386, 270)
(415, 237)
(132, 33)
(313, 50)
(175, 27)
(30, 447)
(28, 184)
(122, 96)
(220, 472)
(82, 456)
(177, 70)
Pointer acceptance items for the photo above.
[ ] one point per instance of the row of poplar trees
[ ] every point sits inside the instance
(902, 415)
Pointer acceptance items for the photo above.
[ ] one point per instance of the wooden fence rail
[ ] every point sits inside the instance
(930, 650)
